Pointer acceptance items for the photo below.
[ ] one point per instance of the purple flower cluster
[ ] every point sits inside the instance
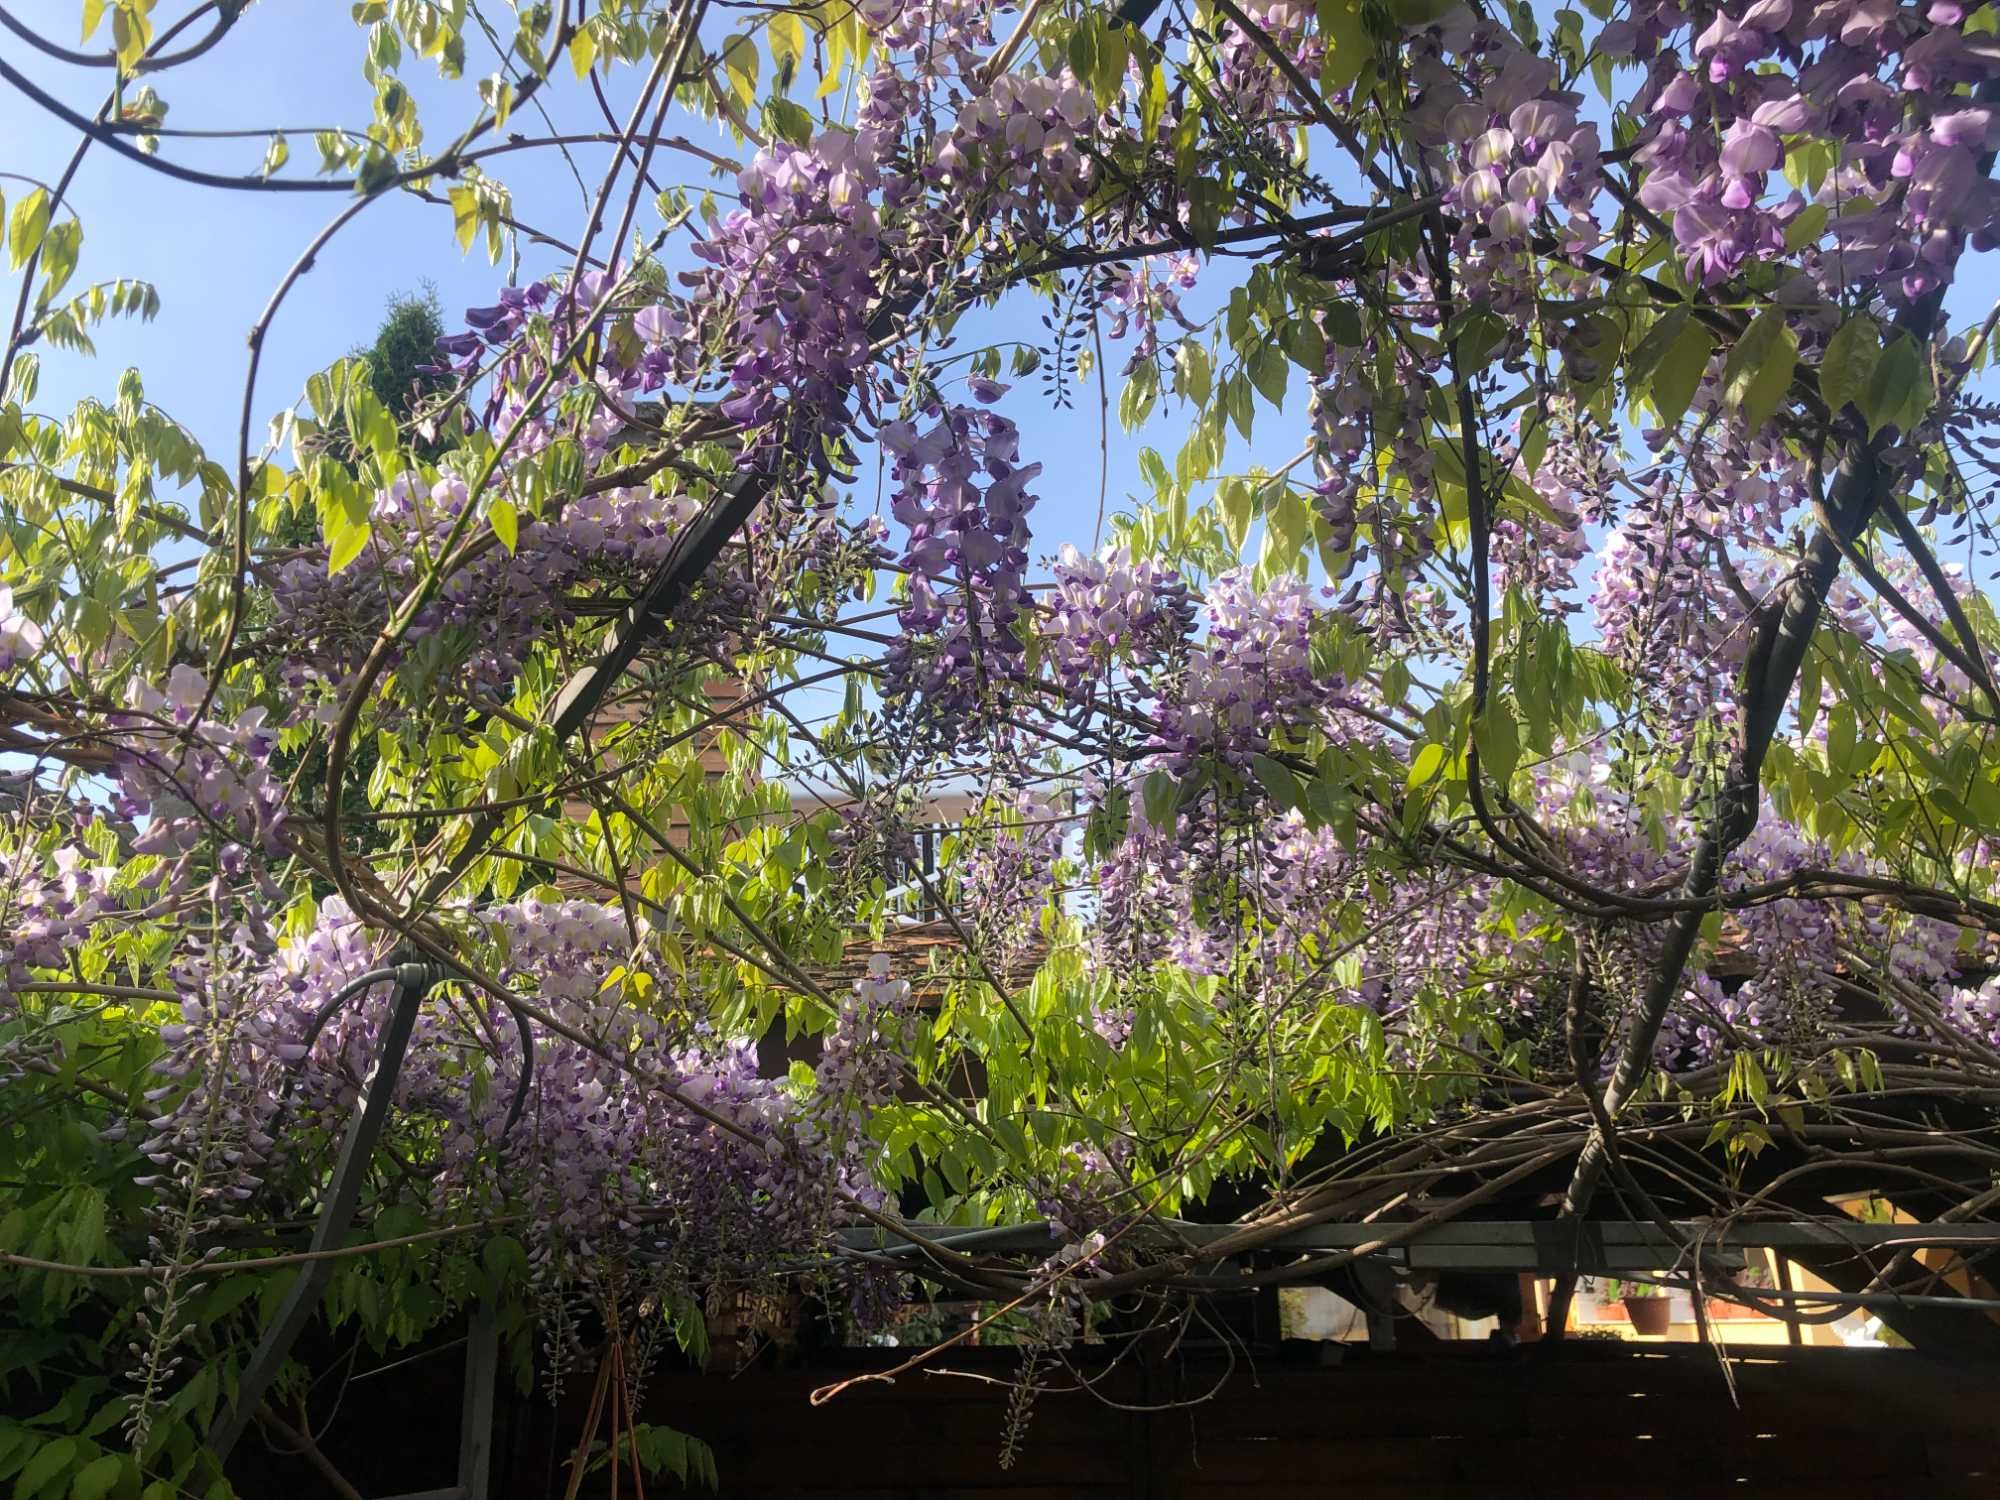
(1366, 438)
(1253, 86)
(1252, 680)
(653, 1138)
(1517, 162)
(1113, 609)
(862, 1061)
(1538, 554)
(490, 612)
(48, 906)
(1137, 297)
(962, 497)
(1012, 157)
(792, 278)
(1006, 875)
(190, 782)
(1729, 91)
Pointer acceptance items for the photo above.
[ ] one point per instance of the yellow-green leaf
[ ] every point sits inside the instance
(26, 226)
(1349, 48)
(500, 514)
(788, 43)
(344, 541)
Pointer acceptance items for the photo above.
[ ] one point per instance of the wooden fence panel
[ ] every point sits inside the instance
(1807, 1424)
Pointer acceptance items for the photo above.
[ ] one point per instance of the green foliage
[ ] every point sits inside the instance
(405, 348)
(117, 536)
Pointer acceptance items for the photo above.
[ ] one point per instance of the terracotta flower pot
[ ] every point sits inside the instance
(1649, 1315)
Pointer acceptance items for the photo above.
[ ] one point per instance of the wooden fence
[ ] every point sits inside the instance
(1597, 1421)
(1593, 1422)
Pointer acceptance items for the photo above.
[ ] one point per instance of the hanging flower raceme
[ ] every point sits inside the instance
(1520, 160)
(1006, 873)
(1252, 679)
(491, 612)
(48, 906)
(643, 1139)
(1138, 296)
(190, 782)
(1112, 610)
(962, 497)
(1012, 155)
(1252, 83)
(793, 278)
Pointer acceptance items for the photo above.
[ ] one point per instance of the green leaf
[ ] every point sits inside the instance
(1193, 375)
(1841, 730)
(98, 1478)
(500, 515)
(1287, 525)
(344, 543)
(1082, 48)
(1807, 227)
(1499, 740)
(1305, 344)
(1899, 388)
(1152, 103)
(1533, 446)
(1206, 200)
(1811, 690)
(1135, 402)
(497, 94)
(1808, 162)
(1425, 766)
(788, 43)
(1478, 333)
(53, 1460)
(1343, 325)
(1236, 397)
(465, 214)
(1162, 794)
(1759, 369)
(1269, 371)
(1650, 350)
(1848, 366)
(1282, 785)
(61, 246)
(376, 172)
(25, 228)
(788, 121)
(1237, 502)
(1349, 48)
(1679, 372)
(741, 61)
(131, 30)
(93, 17)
